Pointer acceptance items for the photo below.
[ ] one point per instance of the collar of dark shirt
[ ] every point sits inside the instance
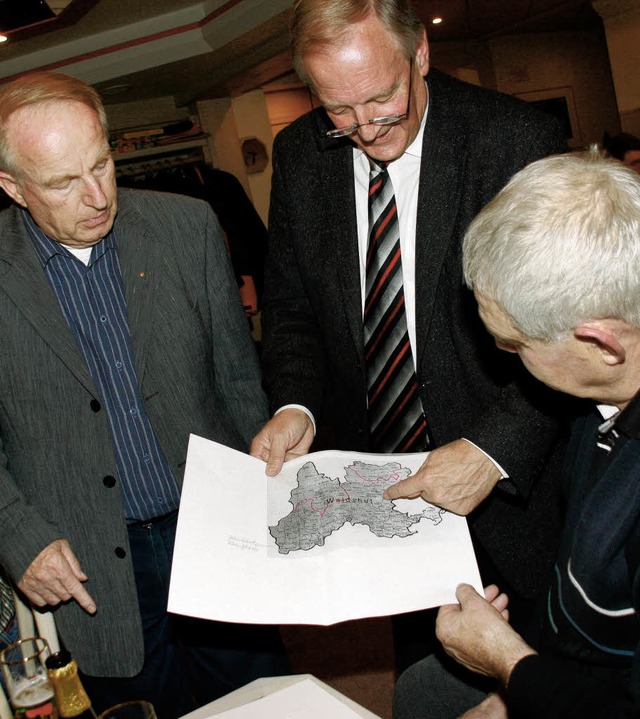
(47, 247)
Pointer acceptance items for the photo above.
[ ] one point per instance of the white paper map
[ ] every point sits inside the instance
(316, 545)
(322, 504)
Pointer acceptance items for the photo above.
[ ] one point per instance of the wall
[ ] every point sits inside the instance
(286, 103)
(622, 26)
(144, 112)
(252, 121)
(573, 65)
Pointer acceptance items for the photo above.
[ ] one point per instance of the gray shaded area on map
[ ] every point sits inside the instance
(322, 504)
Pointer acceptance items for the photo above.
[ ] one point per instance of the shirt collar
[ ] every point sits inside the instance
(415, 148)
(626, 421)
(47, 248)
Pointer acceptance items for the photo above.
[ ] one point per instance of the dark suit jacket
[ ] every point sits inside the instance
(197, 371)
(474, 141)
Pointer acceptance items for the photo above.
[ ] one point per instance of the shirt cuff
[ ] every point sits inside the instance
(302, 409)
(503, 474)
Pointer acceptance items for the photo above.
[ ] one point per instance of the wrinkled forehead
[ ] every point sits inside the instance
(37, 120)
(55, 140)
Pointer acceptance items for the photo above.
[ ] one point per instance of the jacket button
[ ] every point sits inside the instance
(120, 553)
(95, 405)
(109, 481)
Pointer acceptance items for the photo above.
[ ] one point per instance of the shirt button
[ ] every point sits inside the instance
(118, 365)
(103, 318)
(95, 405)
(133, 412)
(109, 481)
(120, 553)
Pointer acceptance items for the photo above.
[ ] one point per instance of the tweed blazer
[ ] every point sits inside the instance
(197, 370)
(474, 141)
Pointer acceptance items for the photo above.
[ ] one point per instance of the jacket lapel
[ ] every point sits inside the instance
(338, 227)
(444, 151)
(24, 281)
(347, 256)
(140, 275)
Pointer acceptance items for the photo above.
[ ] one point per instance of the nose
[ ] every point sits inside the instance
(368, 132)
(94, 194)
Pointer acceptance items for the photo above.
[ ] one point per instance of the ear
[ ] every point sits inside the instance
(10, 185)
(422, 54)
(600, 334)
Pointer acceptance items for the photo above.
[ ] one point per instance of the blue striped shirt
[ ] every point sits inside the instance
(92, 300)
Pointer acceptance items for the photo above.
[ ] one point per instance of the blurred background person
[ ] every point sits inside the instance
(624, 147)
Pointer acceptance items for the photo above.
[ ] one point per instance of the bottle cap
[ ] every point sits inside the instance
(58, 660)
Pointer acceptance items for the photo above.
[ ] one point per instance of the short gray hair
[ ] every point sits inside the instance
(36, 88)
(560, 245)
(323, 22)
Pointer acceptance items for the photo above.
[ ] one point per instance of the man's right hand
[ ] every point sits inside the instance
(286, 435)
(55, 576)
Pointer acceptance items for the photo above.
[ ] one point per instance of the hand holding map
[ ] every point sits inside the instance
(320, 534)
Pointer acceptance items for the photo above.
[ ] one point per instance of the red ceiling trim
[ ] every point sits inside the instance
(229, 5)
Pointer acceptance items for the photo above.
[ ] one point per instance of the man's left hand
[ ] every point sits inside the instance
(456, 477)
(477, 634)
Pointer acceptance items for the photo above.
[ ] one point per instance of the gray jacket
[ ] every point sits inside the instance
(198, 373)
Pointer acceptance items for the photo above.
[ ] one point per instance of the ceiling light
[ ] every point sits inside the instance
(436, 20)
(115, 89)
(3, 38)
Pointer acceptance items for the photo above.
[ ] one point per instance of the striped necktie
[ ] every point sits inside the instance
(396, 418)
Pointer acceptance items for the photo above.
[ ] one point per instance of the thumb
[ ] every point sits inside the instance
(277, 453)
(74, 563)
(465, 593)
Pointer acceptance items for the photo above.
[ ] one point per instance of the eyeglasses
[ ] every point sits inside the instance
(379, 121)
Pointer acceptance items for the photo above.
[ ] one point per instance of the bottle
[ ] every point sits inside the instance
(71, 698)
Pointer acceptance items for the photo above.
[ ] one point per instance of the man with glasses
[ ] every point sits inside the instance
(367, 328)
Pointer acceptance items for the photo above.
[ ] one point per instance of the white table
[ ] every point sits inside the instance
(261, 688)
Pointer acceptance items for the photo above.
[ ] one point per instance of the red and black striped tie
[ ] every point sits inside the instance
(396, 418)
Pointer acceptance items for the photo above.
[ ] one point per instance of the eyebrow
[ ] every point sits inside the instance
(384, 94)
(58, 179)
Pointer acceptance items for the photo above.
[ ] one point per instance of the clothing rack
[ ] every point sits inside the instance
(158, 164)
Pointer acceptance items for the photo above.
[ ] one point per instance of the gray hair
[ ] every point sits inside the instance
(36, 88)
(560, 245)
(324, 22)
